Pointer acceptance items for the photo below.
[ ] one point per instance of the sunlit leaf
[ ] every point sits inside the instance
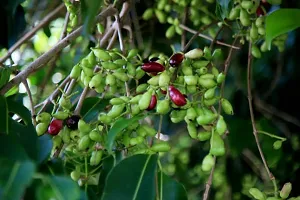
(281, 21)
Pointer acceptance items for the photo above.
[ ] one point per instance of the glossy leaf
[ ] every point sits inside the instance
(58, 187)
(45, 147)
(138, 183)
(11, 148)
(89, 9)
(118, 126)
(170, 189)
(281, 21)
(223, 8)
(3, 115)
(91, 108)
(15, 177)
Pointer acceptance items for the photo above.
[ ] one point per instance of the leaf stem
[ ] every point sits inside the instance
(272, 135)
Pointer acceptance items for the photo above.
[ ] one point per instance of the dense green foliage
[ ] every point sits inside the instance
(165, 99)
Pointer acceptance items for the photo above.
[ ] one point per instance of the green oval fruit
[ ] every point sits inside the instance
(41, 128)
(100, 28)
(109, 65)
(256, 193)
(217, 147)
(141, 131)
(191, 113)
(86, 81)
(65, 135)
(116, 101)
(43, 117)
(255, 51)
(194, 53)
(132, 53)
(105, 119)
(131, 69)
(170, 32)
(220, 78)
(210, 93)
(192, 130)
(116, 111)
(145, 100)
(135, 109)
(65, 103)
(277, 144)
(259, 21)
(88, 71)
(164, 79)
(95, 136)
(286, 190)
(135, 99)
(96, 158)
(191, 80)
(154, 81)
(136, 140)
(110, 80)
(148, 14)
(207, 82)
(221, 126)
(84, 142)
(210, 102)
(162, 146)
(234, 13)
(149, 130)
(208, 163)
(244, 18)
(246, 4)
(83, 127)
(227, 107)
(101, 54)
(141, 88)
(95, 81)
(163, 107)
(121, 75)
(261, 30)
(200, 64)
(161, 16)
(57, 141)
(75, 72)
(75, 175)
(186, 70)
(60, 115)
(204, 135)
(253, 31)
(74, 135)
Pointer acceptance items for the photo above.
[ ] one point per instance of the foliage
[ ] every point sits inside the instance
(121, 100)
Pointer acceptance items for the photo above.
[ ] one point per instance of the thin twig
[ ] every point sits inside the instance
(31, 102)
(206, 37)
(28, 35)
(215, 38)
(81, 99)
(226, 67)
(249, 78)
(39, 62)
(209, 181)
(203, 28)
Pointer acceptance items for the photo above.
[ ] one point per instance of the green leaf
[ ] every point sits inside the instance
(132, 179)
(223, 8)
(170, 188)
(281, 21)
(91, 107)
(89, 9)
(4, 75)
(45, 147)
(15, 177)
(19, 109)
(118, 126)
(11, 148)
(59, 188)
(3, 115)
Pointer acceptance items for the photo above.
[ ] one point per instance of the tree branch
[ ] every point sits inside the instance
(255, 133)
(38, 63)
(28, 35)
(206, 37)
